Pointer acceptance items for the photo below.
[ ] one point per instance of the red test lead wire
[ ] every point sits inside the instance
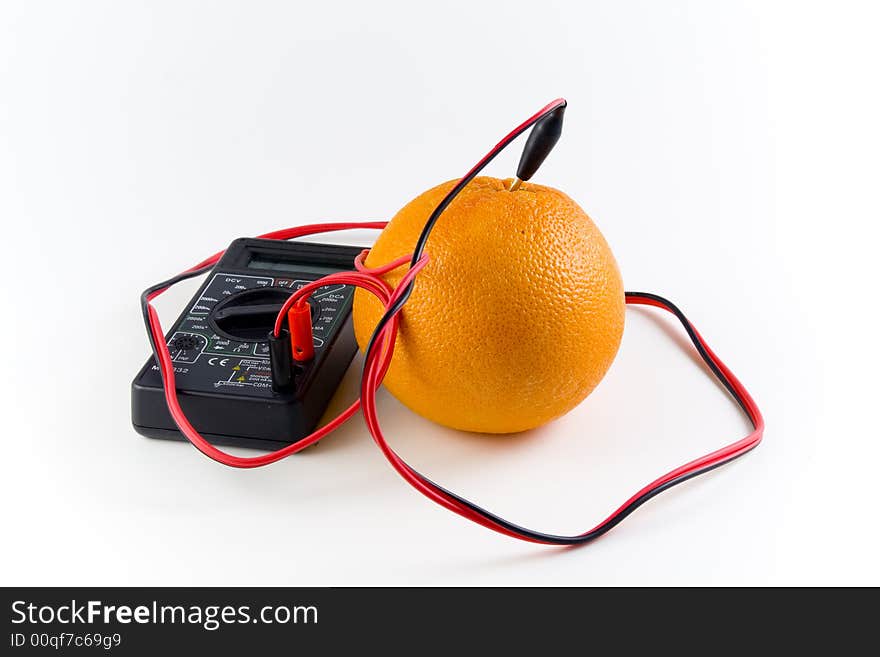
(376, 368)
(372, 379)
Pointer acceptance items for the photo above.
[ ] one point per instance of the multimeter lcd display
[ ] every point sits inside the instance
(267, 263)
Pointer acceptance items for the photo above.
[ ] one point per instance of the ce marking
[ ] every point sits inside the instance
(217, 361)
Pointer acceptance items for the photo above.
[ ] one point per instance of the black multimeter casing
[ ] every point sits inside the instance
(219, 347)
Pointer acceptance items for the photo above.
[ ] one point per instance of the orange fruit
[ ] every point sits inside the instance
(515, 319)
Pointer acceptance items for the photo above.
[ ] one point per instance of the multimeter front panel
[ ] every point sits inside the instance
(220, 350)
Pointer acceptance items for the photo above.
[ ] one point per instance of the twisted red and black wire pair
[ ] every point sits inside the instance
(380, 350)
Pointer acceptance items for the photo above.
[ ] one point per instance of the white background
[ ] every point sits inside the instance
(728, 151)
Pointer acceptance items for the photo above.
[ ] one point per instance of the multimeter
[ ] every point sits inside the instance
(220, 348)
